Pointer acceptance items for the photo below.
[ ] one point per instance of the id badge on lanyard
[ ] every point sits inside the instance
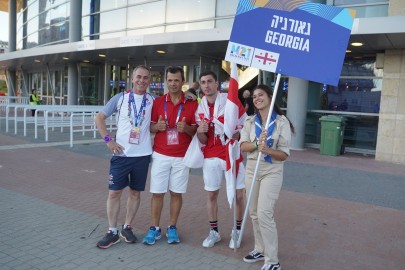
(172, 134)
(134, 136)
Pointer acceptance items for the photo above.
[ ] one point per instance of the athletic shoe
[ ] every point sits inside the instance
(172, 236)
(108, 240)
(254, 256)
(152, 236)
(212, 238)
(236, 236)
(127, 234)
(271, 267)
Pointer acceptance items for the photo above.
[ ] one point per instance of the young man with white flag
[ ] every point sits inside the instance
(212, 120)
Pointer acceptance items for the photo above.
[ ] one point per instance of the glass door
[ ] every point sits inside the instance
(89, 78)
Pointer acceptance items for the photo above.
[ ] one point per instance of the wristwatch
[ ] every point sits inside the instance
(107, 138)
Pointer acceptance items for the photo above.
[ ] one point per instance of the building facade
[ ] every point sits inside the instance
(82, 52)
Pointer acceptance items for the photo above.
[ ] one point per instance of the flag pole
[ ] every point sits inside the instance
(273, 100)
(234, 219)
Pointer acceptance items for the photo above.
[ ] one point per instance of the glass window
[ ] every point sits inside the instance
(180, 11)
(56, 32)
(361, 68)
(32, 25)
(86, 4)
(139, 16)
(32, 9)
(365, 8)
(19, 45)
(86, 26)
(131, 2)
(352, 2)
(360, 131)
(44, 19)
(32, 40)
(89, 78)
(20, 31)
(226, 23)
(91, 26)
(354, 95)
(371, 11)
(44, 36)
(226, 8)
(59, 13)
(113, 20)
(106, 5)
(358, 90)
(190, 26)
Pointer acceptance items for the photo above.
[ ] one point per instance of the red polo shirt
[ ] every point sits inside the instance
(188, 108)
(214, 147)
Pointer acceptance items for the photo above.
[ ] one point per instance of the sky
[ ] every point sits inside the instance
(3, 26)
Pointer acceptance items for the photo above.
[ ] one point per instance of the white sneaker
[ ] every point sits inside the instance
(212, 238)
(236, 236)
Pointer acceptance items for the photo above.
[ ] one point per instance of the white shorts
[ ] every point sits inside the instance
(168, 173)
(213, 173)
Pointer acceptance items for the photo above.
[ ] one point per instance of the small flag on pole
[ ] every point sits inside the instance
(234, 118)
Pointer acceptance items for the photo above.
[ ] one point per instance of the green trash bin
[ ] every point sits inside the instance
(332, 130)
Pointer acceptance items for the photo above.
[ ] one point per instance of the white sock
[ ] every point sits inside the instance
(114, 230)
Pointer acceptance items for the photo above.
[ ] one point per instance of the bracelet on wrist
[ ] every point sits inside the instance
(107, 138)
(256, 146)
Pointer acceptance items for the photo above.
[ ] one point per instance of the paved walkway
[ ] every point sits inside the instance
(345, 212)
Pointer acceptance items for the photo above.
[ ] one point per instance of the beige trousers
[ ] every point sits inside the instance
(264, 197)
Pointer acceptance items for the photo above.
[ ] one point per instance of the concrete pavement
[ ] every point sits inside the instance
(345, 212)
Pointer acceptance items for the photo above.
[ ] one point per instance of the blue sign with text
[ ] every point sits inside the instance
(291, 37)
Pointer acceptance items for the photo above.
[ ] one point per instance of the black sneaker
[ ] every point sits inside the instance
(127, 234)
(108, 240)
(254, 256)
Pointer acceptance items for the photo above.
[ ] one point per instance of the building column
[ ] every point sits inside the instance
(73, 85)
(107, 78)
(12, 28)
(297, 110)
(11, 82)
(12, 37)
(75, 34)
(75, 21)
(391, 124)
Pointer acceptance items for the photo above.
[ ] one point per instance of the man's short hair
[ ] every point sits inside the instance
(173, 70)
(206, 73)
(138, 67)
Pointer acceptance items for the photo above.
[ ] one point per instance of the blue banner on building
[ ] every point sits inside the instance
(291, 37)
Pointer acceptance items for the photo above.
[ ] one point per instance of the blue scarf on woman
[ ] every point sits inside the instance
(258, 130)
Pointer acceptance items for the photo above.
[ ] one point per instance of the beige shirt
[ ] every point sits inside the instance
(281, 135)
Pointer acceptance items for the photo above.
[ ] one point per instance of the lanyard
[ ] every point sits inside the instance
(178, 113)
(138, 116)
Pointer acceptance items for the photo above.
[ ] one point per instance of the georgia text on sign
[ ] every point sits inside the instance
(287, 40)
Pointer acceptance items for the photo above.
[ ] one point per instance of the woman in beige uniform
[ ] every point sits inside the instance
(274, 145)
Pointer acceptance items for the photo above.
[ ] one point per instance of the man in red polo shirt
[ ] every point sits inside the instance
(173, 121)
